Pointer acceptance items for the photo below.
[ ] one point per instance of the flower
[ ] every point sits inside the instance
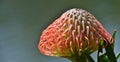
(76, 31)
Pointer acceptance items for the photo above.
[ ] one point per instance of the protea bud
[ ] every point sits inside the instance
(74, 32)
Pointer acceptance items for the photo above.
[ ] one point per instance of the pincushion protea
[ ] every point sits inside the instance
(76, 31)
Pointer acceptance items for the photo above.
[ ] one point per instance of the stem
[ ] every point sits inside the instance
(78, 59)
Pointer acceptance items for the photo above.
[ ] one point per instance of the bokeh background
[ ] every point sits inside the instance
(22, 22)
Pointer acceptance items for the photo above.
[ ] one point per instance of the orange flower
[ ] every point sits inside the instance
(74, 32)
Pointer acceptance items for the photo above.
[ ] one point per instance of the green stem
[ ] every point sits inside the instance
(78, 59)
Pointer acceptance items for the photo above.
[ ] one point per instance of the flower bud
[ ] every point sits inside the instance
(74, 32)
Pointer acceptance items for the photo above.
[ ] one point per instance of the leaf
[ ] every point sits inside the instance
(100, 48)
(113, 36)
(110, 53)
(101, 42)
(103, 58)
(109, 56)
(118, 56)
(110, 50)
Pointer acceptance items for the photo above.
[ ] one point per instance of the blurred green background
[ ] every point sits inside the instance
(22, 22)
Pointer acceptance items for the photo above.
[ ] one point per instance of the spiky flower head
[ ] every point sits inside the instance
(76, 31)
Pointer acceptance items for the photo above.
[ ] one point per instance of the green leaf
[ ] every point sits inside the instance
(109, 56)
(118, 56)
(101, 42)
(100, 48)
(110, 53)
(110, 50)
(113, 36)
(103, 58)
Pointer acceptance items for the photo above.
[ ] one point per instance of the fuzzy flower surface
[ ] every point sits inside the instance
(74, 32)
